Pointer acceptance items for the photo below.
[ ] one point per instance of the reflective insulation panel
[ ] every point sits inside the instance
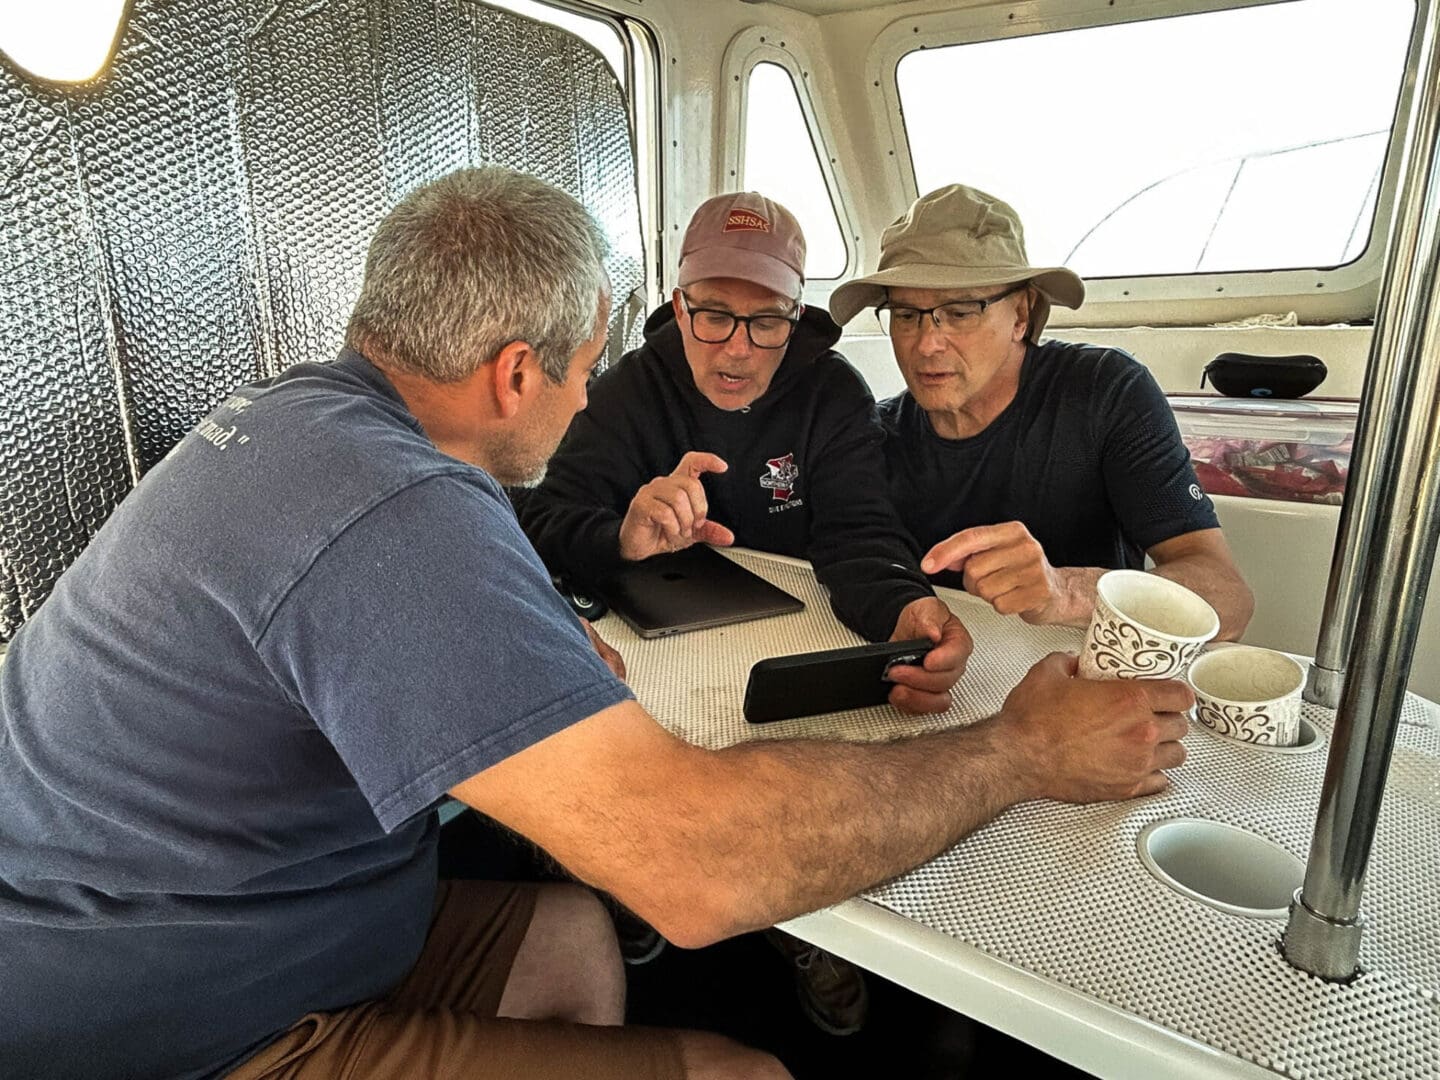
(197, 217)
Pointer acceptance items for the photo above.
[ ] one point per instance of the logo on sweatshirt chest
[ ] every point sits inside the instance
(780, 478)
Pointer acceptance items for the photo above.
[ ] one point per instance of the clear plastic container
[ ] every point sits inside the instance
(1292, 451)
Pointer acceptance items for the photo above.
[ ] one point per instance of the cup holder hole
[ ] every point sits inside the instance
(1223, 866)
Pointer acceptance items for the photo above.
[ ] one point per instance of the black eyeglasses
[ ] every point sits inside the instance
(956, 317)
(714, 327)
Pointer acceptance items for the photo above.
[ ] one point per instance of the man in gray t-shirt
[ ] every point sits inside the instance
(224, 736)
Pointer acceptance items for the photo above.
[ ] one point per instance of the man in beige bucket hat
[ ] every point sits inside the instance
(1026, 468)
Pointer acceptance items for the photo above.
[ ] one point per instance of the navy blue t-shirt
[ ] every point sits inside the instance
(1087, 457)
(223, 736)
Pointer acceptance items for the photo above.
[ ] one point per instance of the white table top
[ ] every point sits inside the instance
(1045, 924)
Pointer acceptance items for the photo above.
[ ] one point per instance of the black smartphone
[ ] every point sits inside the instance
(784, 687)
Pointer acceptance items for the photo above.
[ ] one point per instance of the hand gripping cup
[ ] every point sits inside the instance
(1144, 627)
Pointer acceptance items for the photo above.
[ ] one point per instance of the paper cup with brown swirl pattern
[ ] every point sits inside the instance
(1249, 694)
(1144, 627)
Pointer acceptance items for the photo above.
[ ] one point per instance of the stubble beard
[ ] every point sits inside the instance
(520, 463)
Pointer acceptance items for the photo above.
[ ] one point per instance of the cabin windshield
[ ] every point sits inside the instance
(1257, 142)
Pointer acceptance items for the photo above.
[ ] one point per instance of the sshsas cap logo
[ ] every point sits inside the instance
(745, 221)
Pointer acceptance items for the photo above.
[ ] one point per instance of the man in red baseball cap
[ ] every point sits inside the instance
(737, 422)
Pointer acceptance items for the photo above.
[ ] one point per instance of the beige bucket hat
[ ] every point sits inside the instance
(958, 238)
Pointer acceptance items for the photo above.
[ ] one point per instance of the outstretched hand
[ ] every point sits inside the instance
(670, 512)
(1006, 567)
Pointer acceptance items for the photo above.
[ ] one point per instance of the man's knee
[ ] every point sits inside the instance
(713, 1057)
(581, 911)
(568, 967)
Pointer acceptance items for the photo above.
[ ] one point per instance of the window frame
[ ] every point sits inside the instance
(644, 92)
(1345, 293)
(770, 45)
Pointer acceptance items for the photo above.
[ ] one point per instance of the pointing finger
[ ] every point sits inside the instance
(698, 462)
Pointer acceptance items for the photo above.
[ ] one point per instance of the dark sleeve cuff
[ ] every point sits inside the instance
(597, 557)
(871, 606)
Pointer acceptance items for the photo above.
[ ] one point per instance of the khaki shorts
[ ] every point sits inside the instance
(440, 1023)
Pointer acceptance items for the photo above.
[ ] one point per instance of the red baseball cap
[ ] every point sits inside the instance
(744, 235)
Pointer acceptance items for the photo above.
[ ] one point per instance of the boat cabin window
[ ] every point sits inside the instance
(68, 41)
(629, 47)
(198, 218)
(1240, 141)
(781, 160)
(600, 33)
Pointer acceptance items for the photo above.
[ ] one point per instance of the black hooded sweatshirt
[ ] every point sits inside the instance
(806, 475)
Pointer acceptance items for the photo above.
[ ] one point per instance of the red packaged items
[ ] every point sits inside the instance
(1295, 452)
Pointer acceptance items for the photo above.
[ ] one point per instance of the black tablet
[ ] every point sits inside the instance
(693, 589)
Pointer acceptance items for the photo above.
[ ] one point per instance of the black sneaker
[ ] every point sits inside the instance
(832, 991)
(639, 941)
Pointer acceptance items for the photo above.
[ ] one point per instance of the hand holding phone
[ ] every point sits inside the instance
(784, 687)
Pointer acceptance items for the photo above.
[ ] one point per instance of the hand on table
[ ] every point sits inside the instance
(926, 688)
(1084, 740)
(669, 513)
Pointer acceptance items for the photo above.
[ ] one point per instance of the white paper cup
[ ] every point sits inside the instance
(1249, 694)
(1144, 627)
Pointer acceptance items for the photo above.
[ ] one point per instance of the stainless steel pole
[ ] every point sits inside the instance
(1324, 930)
(1387, 377)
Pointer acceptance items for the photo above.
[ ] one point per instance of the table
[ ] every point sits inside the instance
(1046, 925)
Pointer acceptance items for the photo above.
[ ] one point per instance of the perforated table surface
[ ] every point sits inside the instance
(1045, 923)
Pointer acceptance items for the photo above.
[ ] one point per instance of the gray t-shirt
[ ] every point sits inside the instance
(223, 736)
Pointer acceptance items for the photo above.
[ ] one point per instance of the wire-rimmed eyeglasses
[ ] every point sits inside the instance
(954, 317)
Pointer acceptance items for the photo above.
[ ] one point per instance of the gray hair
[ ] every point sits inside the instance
(473, 261)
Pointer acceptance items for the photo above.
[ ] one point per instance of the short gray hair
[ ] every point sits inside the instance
(470, 262)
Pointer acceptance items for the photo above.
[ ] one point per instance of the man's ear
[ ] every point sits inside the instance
(515, 378)
(1026, 304)
(678, 304)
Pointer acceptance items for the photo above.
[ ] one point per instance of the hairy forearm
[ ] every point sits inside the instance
(789, 827)
(708, 843)
(1220, 584)
(1211, 578)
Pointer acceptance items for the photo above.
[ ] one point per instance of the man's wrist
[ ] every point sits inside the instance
(1017, 770)
(626, 545)
(1075, 595)
(901, 614)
